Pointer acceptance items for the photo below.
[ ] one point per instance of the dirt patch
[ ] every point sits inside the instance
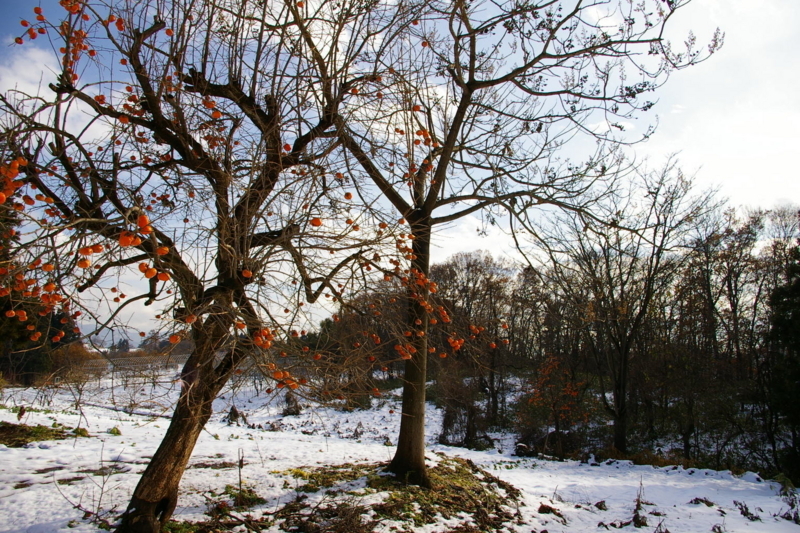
(214, 466)
(49, 469)
(103, 470)
(69, 480)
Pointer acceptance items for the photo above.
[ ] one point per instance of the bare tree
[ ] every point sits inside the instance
(614, 271)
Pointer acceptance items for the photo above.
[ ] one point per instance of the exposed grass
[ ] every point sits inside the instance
(28, 409)
(174, 526)
(18, 435)
(222, 506)
(317, 478)
(460, 490)
(361, 498)
(244, 498)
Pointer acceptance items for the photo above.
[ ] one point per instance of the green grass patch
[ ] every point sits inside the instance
(221, 506)
(173, 526)
(324, 477)
(458, 488)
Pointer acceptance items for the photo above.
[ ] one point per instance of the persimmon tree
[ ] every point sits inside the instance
(556, 392)
(26, 352)
(467, 107)
(183, 156)
(479, 288)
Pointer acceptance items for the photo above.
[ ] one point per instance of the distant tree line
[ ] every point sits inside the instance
(679, 338)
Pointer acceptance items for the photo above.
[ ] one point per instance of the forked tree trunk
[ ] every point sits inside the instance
(156, 494)
(408, 463)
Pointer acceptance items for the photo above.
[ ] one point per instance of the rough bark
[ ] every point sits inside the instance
(156, 494)
(409, 459)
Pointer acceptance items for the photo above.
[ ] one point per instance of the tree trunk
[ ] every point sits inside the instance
(688, 429)
(156, 494)
(621, 432)
(493, 392)
(620, 416)
(409, 459)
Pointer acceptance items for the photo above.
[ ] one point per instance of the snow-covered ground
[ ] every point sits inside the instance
(47, 486)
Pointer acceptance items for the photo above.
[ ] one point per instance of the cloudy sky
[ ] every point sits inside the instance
(734, 120)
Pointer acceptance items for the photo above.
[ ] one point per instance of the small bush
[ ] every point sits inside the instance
(244, 498)
(81, 432)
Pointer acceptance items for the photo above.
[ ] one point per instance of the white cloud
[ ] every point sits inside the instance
(466, 236)
(28, 69)
(738, 120)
